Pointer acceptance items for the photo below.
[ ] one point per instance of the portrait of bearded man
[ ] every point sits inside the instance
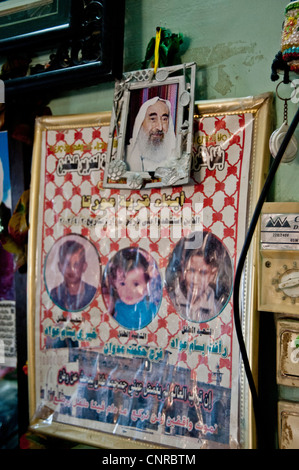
(153, 142)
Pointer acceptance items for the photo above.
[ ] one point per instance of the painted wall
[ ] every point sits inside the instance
(233, 43)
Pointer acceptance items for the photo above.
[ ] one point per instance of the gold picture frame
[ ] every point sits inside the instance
(68, 197)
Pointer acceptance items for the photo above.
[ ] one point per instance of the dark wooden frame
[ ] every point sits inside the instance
(35, 22)
(72, 39)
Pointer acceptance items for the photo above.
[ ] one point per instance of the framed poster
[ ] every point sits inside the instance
(131, 332)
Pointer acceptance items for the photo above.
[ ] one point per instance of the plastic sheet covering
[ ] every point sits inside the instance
(132, 320)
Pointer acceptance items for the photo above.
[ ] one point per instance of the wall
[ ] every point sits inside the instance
(233, 43)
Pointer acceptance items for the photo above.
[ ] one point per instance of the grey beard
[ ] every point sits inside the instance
(154, 152)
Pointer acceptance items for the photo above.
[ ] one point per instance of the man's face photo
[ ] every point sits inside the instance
(198, 275)
(156, 121)
(73, 267)
(151, 128)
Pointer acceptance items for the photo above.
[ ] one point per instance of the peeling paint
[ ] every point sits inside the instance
(253, 59)
(221, 52)
(224, 84)
(223, 60)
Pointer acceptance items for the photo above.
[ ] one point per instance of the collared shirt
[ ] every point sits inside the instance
(202, 310)
(72, 303)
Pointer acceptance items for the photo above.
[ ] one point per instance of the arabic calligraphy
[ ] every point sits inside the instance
(134, 350)
(70, 333)
(131, 334)
(78, 147)
(80, 165)
(212, 157)
(181, 421)
(103, 203)
(68, 378)
(213, 347)
(137, 388)
(98, 204)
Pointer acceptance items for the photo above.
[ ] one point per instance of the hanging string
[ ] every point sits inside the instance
(157, 45)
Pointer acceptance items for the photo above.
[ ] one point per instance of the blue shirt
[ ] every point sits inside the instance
(137, 316)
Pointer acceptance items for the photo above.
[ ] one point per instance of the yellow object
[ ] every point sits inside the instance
(157, 45)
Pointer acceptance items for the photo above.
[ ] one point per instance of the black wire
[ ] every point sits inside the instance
(260, 432)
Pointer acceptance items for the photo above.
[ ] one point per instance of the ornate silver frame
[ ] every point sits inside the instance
(117, 174)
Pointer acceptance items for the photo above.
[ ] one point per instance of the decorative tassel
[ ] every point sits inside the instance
(290, 36)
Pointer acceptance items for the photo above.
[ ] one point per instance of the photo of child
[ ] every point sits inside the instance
(132, 288)
(199, 280)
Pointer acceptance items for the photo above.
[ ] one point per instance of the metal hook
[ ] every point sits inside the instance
(283, 99)
(285, 107)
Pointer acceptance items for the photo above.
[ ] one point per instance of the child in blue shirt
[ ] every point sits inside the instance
(134, 288)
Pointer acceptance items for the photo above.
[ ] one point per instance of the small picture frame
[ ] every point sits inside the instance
(151, 129)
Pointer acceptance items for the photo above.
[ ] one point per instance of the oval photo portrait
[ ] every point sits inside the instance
(199, 277)
(132, 288)
(72, 272)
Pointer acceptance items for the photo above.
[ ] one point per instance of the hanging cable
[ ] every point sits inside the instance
(255, 399)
